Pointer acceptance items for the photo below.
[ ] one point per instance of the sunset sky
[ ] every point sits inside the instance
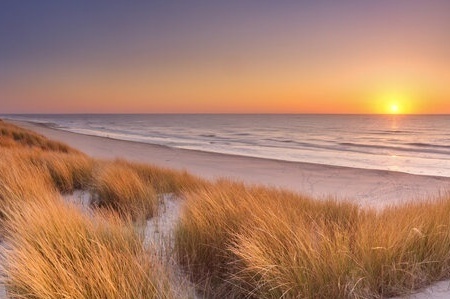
(225, 57)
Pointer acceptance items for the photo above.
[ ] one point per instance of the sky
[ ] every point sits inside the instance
(225, 56)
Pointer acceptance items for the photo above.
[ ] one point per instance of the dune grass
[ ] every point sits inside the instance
(54, 251)
(129, 188)
(68, 168)
(165, 180)
(132, 189)
(269, 244)
(67, 172)
(117, 186)
(12, 136)
(21, 180)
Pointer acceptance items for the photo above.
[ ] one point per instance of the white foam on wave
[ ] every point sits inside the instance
(412, 144)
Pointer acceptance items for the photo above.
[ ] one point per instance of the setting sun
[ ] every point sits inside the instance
(394, 109)
(395, 102)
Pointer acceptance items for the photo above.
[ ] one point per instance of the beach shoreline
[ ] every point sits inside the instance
(366, 187)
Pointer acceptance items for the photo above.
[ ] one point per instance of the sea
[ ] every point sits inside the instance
(417, 144)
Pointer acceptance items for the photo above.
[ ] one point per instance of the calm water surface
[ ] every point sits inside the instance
(413, 144)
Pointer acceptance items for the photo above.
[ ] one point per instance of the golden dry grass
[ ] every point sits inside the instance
(21, 180)
(132, 188)
(67, 172)
(129, 188)
(55, 251)
(269, 243)
(117, 186)
(52, 249)
(13, 136)
(69, 169)
(165, 180)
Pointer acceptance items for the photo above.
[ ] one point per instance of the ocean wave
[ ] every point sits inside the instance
(208, 135)
(391, 132)
(345, 141)
(420, 144)
(431, 148)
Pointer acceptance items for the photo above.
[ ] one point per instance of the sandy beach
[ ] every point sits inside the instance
(368, 188)
(374, 188)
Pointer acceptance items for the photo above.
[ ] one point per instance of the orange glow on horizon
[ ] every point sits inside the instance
(398, 102)
(140, 92)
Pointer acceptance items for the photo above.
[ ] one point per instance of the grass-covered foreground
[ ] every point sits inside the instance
(51, 249)
(233, 241)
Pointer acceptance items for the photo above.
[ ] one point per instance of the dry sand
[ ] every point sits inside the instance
(375, 188)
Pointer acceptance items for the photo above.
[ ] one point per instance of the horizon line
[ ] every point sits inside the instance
(223, 113)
